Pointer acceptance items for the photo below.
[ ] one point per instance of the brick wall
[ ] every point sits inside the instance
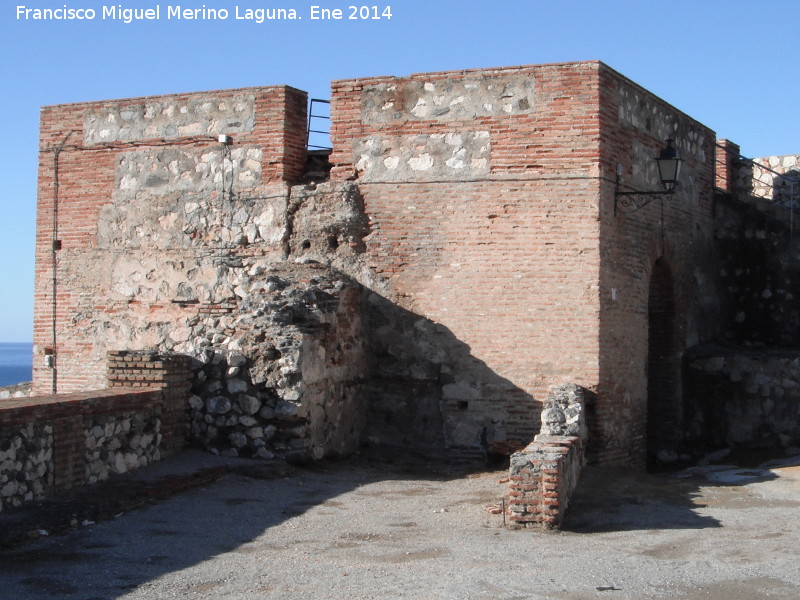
(727, 159)
(542, 478)
(118, 161)
(490, 232)
(668, 243)
(490, 196)
(487, 199)
(543, 475)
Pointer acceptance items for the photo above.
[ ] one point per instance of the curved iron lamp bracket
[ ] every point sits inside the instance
(630, 202)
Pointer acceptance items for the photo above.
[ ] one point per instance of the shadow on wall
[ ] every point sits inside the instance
(427, 392)
(740, 390)
(759, 271)
(323, 366)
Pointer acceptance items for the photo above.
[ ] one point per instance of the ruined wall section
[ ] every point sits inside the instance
(677, 232)
(481, 191)
(173, 242)
(139, 207)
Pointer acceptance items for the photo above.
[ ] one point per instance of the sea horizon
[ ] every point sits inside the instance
(16, 363)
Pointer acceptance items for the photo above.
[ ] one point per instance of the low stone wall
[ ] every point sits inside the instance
(543, 476)
(53, 443)
(743, 398)
(171, 373)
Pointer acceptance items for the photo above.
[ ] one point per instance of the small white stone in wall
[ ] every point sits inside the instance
(364, 163)
(423, 162)
(420, 108)
(117, 463)
(478, 163)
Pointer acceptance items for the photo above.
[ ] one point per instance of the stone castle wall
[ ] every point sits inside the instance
(464, 257)
(490, 196)
(744, 398)
(773, 178)
(658, 292)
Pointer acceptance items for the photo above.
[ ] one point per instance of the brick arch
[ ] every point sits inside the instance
(664, 404)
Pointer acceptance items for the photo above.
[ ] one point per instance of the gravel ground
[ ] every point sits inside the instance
(355, 529)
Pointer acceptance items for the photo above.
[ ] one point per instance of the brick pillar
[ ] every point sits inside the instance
(542, 478)
(172, 374)
(727, 155)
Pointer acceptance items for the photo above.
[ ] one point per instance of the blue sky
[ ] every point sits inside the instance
(730, 64)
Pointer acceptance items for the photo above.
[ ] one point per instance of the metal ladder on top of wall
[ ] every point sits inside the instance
(311, 116)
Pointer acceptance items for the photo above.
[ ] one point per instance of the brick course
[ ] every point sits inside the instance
(501, 237)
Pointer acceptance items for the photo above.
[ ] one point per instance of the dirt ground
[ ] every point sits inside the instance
(362, 529)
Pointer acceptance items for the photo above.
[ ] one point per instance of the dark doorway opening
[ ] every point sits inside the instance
(664, 404)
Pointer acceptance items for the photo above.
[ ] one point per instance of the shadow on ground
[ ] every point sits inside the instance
(609, 499)
(259, 530)
(222, 509)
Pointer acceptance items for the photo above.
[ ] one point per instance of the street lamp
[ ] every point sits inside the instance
(669, 163)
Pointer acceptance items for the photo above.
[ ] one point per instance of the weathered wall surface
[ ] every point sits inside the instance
(52, 443)
(477, 207)
(139, 209)
(744, 398)
(491, 202)
(481, 189)
(742, 393)
(773, 178)
(173, 242)
(544, 474)
(284, 372)
(658, 292)
(760, 272)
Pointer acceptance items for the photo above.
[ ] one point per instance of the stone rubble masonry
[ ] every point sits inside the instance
(773, 178)
(476, 207)
(171, 118)
(759, 267)
(543, 476)
(53, 443)
(18, 390)
(124, 169)
(744, 399)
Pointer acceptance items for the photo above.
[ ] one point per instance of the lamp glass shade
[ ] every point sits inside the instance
(669, 166)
